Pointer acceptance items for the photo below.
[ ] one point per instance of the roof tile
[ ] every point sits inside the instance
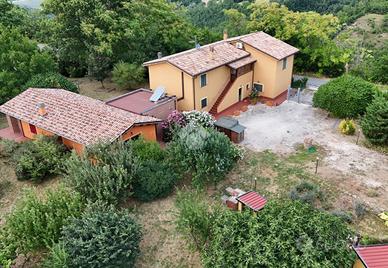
(72, 116)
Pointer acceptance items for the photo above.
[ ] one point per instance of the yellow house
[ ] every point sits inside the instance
(215, 76)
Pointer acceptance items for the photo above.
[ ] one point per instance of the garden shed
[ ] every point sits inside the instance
(231, 127)
(252, 200)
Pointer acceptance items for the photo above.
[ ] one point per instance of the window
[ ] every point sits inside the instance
(284, 63)
(203, 80)
(258, 87)
(247, 86)
(203, 102)
(33, 129)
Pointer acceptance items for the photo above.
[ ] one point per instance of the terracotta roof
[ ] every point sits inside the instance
(72, 116)
(203, 59)
(239, 63)
(373, 256)
(199, 60)
(253, 200)
(269, 45)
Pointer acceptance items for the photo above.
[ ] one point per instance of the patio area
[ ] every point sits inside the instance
(9, 134)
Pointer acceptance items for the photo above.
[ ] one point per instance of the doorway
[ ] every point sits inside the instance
(240, 94)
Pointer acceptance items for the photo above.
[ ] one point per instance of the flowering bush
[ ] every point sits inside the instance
(174, 121)
(347, 127)
(203, 152)
(198, 118)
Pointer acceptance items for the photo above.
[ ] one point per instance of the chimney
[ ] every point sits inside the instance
(42, 109)
(160, 55)
(225, 34)
(211, 49)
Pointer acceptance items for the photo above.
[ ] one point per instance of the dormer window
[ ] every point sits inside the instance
(284, 63)
(203, 80)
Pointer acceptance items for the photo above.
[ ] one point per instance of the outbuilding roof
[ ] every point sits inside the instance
(373, 256)
(75, 117)
(230, 123)
(252, 200)
(200, 60)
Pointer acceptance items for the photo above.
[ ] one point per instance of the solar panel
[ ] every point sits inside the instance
(158, 93)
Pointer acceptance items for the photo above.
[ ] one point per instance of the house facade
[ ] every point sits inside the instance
(216, 76)
(77, 120)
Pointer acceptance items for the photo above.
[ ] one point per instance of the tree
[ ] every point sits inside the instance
(127, 75)
(283, 234)
(345, 97)
(375, 122)
(235, 22)
(102, 237)
(12, 15)
(131, 31)
(20, 59)
(310, 32)
(51, 80)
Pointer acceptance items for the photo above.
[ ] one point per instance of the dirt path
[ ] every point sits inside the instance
(359, 171)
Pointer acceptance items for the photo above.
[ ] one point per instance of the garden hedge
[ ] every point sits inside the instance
(345, 97)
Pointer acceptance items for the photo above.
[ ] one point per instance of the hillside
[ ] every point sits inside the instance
(369, 31)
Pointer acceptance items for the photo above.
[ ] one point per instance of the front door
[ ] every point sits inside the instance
(240, 94)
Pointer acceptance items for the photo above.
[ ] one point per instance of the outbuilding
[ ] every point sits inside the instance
(371, 256)
(231, 127)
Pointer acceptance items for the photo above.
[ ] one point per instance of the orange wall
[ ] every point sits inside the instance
(358, 264)
(79, 148)
(283, 77)
(148, 132)
(27, 132)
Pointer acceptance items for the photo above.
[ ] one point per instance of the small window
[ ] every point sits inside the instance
(203, 102)
(247, 86)
(33, 129)
(258, 87)
(284, 63)
(203, 80)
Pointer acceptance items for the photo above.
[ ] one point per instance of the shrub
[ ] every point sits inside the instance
(101, 238)
(347, 127)
(36, 222)
(299, 83)
(306, 192)
(155, 177)
(305, 234)
(205, 153)
(345, 97)
(173, 123)
(51, 80)
(198, 118)
(345, 216)
(8, 148)
(127, 75)
(359, 209)
(105, 172)
(194, 218)
(375, 123)
(57, 258)
(39, 158)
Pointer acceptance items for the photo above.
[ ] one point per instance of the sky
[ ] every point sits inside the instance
(29, 3)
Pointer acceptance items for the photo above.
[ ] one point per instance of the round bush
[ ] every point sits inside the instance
(347, 127)
(102, 238)
(345, 97)
(154, 180)
(39, 158)
(51, 80)
(375, 123)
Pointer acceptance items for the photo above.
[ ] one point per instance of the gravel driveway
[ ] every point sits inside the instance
(281, 128)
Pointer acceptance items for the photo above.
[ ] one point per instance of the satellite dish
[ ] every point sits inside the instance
(158, 93)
